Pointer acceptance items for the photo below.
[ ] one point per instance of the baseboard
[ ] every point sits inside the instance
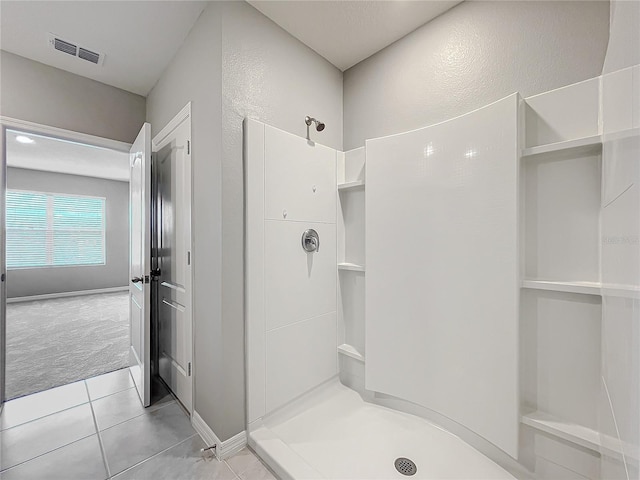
(48, 296)
(224, 449)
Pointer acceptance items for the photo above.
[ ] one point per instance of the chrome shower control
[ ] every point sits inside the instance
(310, 241)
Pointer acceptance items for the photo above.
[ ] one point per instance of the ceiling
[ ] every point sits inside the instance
(346, 32)
(138, 38)
(62, 156)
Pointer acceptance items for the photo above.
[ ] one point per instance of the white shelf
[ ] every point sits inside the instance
(593, 141)
(353, 267)
(351, 185)
(578, 434)
(350, 351)
(586, 288)
(571, 432)
(625, 291)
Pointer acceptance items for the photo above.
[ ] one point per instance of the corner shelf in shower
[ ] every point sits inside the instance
(585, 288)
(350, 185)
(594, 141)
(350, 351)
(571, 432)
(353, 267)
(576, 434)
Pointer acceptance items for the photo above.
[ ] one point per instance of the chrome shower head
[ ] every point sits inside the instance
(319, 125)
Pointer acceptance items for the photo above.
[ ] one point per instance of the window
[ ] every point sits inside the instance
(52, 230)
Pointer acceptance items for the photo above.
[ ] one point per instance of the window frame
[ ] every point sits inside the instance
(50, 230)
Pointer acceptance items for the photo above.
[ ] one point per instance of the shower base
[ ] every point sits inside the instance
(334, 434)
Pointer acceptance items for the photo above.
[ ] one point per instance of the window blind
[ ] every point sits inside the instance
(48, 229)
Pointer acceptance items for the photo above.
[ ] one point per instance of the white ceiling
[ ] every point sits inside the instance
(138, 38)
(62, 156)
(346, 32)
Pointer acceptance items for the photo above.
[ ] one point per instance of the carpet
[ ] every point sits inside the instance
(62, 340)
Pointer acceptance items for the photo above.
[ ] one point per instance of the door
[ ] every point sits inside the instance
(140, 263)
(3, 272)
(172, 244)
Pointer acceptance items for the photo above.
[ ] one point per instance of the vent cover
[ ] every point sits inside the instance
(71, 48)
(65, 47)
(88, 55)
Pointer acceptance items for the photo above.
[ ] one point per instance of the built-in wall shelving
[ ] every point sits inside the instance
(350, 185)
(351, 264)
(561, 288)
(351, 267)
(571, 432)
(350, 351)
(586, 288)
(594, 141)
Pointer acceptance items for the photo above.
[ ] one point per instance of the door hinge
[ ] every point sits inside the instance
(189, 369)
(188, 258)
(188, 147)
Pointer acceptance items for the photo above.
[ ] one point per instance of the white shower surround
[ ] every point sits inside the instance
(442, 277)
(579, 295)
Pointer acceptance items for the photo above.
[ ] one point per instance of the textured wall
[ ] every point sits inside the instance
(472, 55)
(38, 93)
(240, 64)
(115, 272)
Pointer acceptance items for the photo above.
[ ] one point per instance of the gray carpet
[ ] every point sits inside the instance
(62, 340)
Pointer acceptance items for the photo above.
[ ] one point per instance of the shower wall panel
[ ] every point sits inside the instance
(290, 294)
(442, 262)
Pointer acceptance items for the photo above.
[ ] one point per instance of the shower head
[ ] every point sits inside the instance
(319, 125)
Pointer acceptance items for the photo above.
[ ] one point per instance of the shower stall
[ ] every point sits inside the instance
(447, 302)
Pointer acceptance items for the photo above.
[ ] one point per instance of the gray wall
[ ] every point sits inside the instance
(472, 55)
(39, 281)
(234, 63)
(42, 94)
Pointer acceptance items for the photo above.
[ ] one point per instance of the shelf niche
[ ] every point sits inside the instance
(562, 215)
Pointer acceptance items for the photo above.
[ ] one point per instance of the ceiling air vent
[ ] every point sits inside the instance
(89, 56)
(65, 47)
(70, 48)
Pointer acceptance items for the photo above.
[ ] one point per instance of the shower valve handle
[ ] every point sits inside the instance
(310, 241)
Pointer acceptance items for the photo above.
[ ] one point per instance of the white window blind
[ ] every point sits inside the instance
(49, 229)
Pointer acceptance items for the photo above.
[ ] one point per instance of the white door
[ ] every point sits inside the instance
(3, 272)
(172, 244)
(140, 263)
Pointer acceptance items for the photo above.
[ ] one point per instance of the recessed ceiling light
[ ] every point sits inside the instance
(24, 139)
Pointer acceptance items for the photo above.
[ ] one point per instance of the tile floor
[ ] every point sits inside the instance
(96, 429)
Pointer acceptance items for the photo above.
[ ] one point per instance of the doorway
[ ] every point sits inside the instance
(170, 215)
(172, 256)
(66, 218)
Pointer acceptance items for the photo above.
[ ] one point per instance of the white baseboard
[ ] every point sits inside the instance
(223, 450)
(48, 296)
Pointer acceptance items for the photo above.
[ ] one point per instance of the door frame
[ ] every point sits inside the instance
(157, 142)
(10, 123)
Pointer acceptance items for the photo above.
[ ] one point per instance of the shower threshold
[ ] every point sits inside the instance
(334, 434)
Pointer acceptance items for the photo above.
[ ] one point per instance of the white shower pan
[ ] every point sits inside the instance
(333, 433)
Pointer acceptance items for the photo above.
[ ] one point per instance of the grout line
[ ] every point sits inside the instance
(145, 412)
(44, 416)
(45, 453)
(256, 458)
(154, 455)
(95, 424)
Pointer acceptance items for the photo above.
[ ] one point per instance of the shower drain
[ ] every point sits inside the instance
(405, 466)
